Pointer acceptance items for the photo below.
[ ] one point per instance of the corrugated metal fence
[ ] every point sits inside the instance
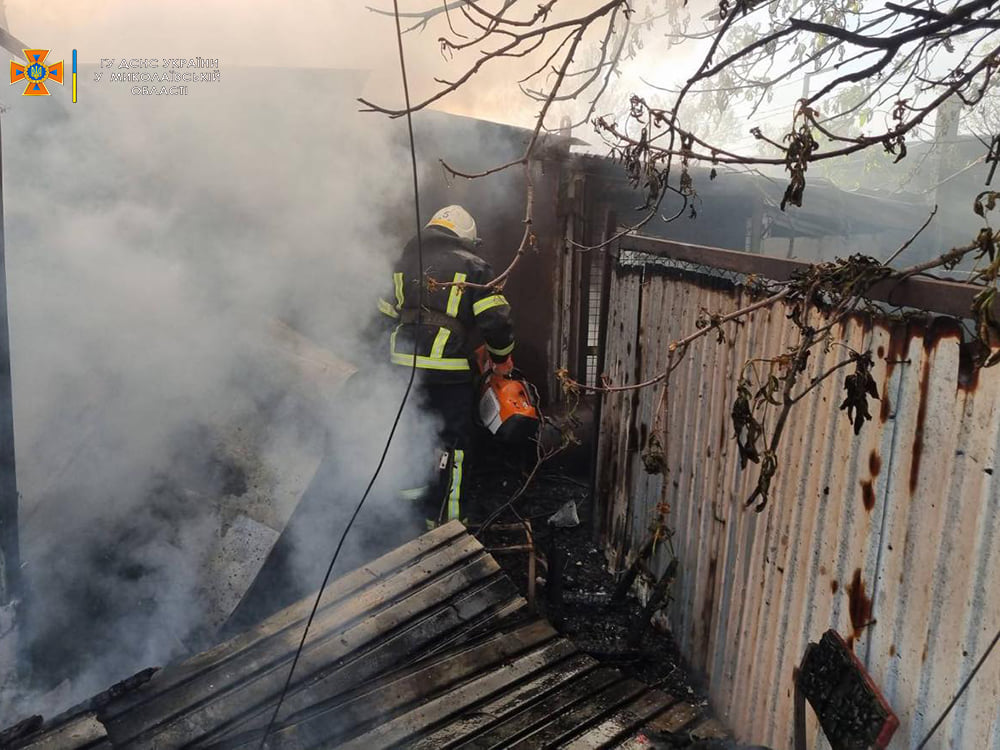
(891, 537)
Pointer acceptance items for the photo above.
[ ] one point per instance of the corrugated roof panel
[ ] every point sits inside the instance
(360, 630)
(428, 646)
(888, 537)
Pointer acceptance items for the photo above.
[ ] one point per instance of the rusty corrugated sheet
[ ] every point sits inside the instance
(616, 442)
(891, 537)
(429, 646)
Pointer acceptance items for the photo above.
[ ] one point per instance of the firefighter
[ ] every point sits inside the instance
(442, 340)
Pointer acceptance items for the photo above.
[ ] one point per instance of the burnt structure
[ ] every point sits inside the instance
(429, 646)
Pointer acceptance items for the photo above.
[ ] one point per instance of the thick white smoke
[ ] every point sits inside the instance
(151, 243)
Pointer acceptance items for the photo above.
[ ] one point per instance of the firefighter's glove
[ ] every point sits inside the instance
(504, 368)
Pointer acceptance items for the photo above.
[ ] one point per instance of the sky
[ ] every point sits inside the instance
(304, 33)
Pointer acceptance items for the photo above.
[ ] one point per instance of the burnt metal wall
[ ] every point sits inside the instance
(891, 537)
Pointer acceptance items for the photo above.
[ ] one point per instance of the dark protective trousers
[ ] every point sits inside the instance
(452, 405)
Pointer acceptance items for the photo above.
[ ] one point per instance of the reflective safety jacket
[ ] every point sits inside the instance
(442, 341)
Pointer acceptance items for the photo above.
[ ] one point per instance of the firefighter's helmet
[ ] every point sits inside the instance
(456, 220)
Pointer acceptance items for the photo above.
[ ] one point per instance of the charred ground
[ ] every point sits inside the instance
(584, 612)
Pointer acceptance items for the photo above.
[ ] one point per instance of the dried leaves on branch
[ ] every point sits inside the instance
(876, 74)
(881, 71)
(816, 300)
(536, 37)
(858, 387)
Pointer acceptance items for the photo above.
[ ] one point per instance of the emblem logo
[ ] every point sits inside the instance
(36, 72)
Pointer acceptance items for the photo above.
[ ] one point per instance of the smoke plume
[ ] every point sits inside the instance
(163, 426)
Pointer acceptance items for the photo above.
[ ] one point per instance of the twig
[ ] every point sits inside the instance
(909, 242)
(682, 344)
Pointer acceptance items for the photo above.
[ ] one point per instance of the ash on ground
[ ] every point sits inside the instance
(585, 612)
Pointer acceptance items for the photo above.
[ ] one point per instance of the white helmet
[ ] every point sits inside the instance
(457, 220)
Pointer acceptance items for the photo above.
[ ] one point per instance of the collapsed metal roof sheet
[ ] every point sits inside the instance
(828, 210)
(429, 646)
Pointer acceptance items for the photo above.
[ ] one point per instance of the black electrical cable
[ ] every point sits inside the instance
(961, 690)
(402, 405)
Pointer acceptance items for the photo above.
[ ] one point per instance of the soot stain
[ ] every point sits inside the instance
(859, 605)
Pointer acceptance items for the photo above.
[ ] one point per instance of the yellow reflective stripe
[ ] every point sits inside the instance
(455, 296)
(397, 279)
(437, 349)
(488, 303)
(387, 309)
(501, 352)
(427, 363)
(442, 223)
(456, 486)
(451, 364)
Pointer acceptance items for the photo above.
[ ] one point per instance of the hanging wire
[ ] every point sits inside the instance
(965, 685)
(399, 412)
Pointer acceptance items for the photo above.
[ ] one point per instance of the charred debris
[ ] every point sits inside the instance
(430, 645)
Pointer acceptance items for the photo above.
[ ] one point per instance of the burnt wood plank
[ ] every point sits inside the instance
(566, 724)
(679, 717)
(675, 718)
(397, 732)
(283, 628)
(508, 616)
(478, 719)
(323, 723)
(83, 732)
(541, 712)
(344, 681)
(623, 722)
(253, 680)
